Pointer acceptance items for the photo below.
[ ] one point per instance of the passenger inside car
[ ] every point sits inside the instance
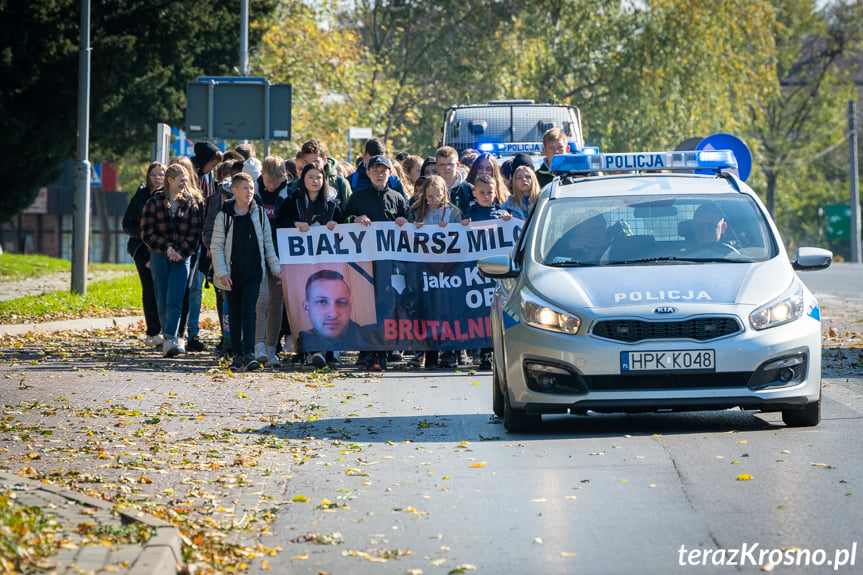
(584, 242)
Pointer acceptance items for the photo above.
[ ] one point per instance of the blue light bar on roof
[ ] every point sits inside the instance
(511, 148)
(644, 161)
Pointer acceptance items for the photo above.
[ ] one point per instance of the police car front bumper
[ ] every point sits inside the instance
(768, 370)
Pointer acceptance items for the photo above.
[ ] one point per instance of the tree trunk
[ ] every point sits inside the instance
(770, 197)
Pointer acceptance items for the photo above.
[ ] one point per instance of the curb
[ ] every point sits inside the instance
(160, 555)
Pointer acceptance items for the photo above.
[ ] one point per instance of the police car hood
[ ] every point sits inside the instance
(709, 283)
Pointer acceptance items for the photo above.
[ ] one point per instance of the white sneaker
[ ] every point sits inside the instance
(289, 345)
(261, 353)
(272, 357)
(319, 360)
(154, 340)
(181, 345)
(169, 348)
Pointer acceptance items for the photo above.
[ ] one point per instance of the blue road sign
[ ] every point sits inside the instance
(736, 145)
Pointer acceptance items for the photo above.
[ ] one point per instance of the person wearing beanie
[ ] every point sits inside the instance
(207, 157)
(252, 166)
(521, 160)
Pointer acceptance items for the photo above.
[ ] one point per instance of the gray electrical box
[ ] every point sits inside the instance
(238, 108)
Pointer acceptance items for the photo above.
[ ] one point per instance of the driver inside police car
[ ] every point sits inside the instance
(708, 224)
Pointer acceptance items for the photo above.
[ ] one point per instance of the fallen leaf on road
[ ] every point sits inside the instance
(744, 477)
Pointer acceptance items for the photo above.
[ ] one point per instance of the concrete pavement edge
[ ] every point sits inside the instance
(160, 555)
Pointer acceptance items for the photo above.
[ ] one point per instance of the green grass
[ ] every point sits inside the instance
(116, 297)
(18, 266)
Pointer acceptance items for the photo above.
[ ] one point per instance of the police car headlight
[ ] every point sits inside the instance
(786, 308)
(538, 313)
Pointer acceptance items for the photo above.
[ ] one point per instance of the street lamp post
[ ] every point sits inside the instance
(81, 198)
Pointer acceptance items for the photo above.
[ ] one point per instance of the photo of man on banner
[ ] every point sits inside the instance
(320, 300)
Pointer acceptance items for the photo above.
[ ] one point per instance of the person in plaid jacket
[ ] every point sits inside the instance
(171, 225)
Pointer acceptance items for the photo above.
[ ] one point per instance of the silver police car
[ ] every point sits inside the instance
(653, 289)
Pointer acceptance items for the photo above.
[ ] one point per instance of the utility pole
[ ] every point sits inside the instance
(855, 192)
(244, 38)
(81, 199)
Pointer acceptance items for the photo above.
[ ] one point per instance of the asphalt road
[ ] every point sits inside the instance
(418, 476)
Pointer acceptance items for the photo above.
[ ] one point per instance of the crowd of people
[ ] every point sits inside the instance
(212, 220)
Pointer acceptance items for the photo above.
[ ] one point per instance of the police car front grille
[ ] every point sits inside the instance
(666, 381)
(700, 329)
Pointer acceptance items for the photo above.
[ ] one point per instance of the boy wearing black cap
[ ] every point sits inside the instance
(360, 180)
(377, 203)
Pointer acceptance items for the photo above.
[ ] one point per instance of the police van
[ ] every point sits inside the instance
(509, 127)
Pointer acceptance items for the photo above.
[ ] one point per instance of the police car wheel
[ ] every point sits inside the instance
(497, 402)
(809, 416)
(515, 420)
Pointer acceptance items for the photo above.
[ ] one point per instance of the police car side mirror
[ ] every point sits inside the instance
(811, 259)
(497, 267)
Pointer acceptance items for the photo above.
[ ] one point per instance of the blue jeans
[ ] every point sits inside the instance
(195, 296)
(169, 280)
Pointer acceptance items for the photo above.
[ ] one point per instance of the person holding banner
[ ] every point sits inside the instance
(486, 205)
(432, 206)
(376, 203)
(525, 190)
(313, 203)
(487, 164)
(485, 194)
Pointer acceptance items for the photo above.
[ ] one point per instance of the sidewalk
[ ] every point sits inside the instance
(160, 555)
(95, 421)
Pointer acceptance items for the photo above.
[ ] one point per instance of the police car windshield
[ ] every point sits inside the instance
(653, 230)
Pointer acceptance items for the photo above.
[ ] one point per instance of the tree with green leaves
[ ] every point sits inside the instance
(796, 122)
(143, 53)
